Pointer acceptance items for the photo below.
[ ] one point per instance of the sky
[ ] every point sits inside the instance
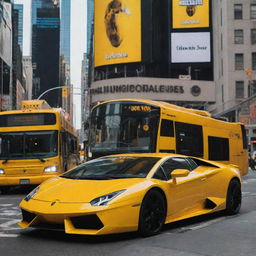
(78, 45)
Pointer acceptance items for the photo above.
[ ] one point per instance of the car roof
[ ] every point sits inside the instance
(160, 155)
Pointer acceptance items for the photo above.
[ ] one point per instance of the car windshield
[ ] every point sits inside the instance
(113, 168)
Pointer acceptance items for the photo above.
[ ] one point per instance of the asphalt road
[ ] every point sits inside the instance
(209, 235)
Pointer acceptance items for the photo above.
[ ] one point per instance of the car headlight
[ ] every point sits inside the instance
(31, 194)
(2, 171)
(52, 168)
(103, 200)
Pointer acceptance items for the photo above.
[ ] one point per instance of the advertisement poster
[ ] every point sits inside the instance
(190, 47)
(117, 31)
(190, 13)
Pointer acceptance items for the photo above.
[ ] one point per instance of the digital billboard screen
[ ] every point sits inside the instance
(117, 31)
(190, 13)
(190, 47)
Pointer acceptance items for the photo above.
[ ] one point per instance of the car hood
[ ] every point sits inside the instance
(75, 191)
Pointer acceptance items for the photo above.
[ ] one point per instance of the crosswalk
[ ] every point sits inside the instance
(10, 215)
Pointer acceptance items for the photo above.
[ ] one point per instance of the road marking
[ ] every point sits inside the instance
(197, 226)
(8, 235)
(9, 223)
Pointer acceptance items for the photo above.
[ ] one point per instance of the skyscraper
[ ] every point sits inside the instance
(45, 49)
(19, 8)
(90, 12)
(65, 10)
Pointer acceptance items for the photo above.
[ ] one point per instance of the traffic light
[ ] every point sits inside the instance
(64, 92)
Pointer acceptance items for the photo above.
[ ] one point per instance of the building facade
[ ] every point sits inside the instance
(45, 50)
(28, 75)
(5, 55)
(154, 53)
(18, 83)
(65, 22)
(19, 8)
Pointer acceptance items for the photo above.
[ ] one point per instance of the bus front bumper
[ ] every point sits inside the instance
(24, 180)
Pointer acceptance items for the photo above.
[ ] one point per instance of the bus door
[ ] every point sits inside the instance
(64, 150)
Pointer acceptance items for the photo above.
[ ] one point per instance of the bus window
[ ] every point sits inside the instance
(189, 139)
(245, 143)
(167, 128)
(218, 148)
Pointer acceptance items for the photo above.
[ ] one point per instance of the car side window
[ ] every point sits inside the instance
(192, 163)
(160, 174)
(174, 163)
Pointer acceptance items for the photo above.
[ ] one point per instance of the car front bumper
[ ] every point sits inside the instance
(80, 218)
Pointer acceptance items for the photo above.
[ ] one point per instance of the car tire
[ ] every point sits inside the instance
(152, 214)
(234, 198)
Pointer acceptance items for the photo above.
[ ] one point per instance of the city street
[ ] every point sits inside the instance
(215, 234)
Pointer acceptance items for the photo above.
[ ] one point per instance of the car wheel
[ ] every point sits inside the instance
(152, 213)
(234, 198)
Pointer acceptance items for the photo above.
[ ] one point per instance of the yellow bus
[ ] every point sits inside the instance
(36, 143)
(137, 125)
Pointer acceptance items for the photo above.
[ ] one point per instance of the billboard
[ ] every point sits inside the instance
(191, 47)
(190, 13)
(117, 31)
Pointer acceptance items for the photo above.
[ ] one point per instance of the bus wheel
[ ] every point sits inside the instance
(234, 198)
(152, 214)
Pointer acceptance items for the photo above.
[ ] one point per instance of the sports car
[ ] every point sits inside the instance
(132, 192)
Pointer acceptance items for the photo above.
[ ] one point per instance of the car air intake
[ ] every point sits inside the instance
(27, 216)
(87, 222)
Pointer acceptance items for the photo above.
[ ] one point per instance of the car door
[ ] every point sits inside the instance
(188, 194)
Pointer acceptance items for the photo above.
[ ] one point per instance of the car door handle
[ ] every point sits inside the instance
(203, 179)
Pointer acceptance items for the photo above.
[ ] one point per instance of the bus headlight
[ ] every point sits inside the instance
(52, 168)
(2, 171)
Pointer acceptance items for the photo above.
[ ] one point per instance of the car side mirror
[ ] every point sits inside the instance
(179, 173)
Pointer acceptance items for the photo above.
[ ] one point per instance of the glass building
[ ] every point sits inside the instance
(45, 50)
(65, 9)
(90, 14)
(19, 8)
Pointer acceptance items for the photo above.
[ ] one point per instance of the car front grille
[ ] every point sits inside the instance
(87, 222)
(27, 216)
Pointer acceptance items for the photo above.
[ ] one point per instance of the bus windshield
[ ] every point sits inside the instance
(28, 145)
(123, 127)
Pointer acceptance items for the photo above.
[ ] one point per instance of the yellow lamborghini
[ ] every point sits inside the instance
(129, 192)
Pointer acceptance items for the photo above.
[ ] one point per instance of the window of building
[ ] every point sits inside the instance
(239, 61)
(189, 139)
(238, 11)
(253, 36)
(218, 148)
(167, 128)
(239, 89)
(238, 36)
(253, 60)
(253, 11)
